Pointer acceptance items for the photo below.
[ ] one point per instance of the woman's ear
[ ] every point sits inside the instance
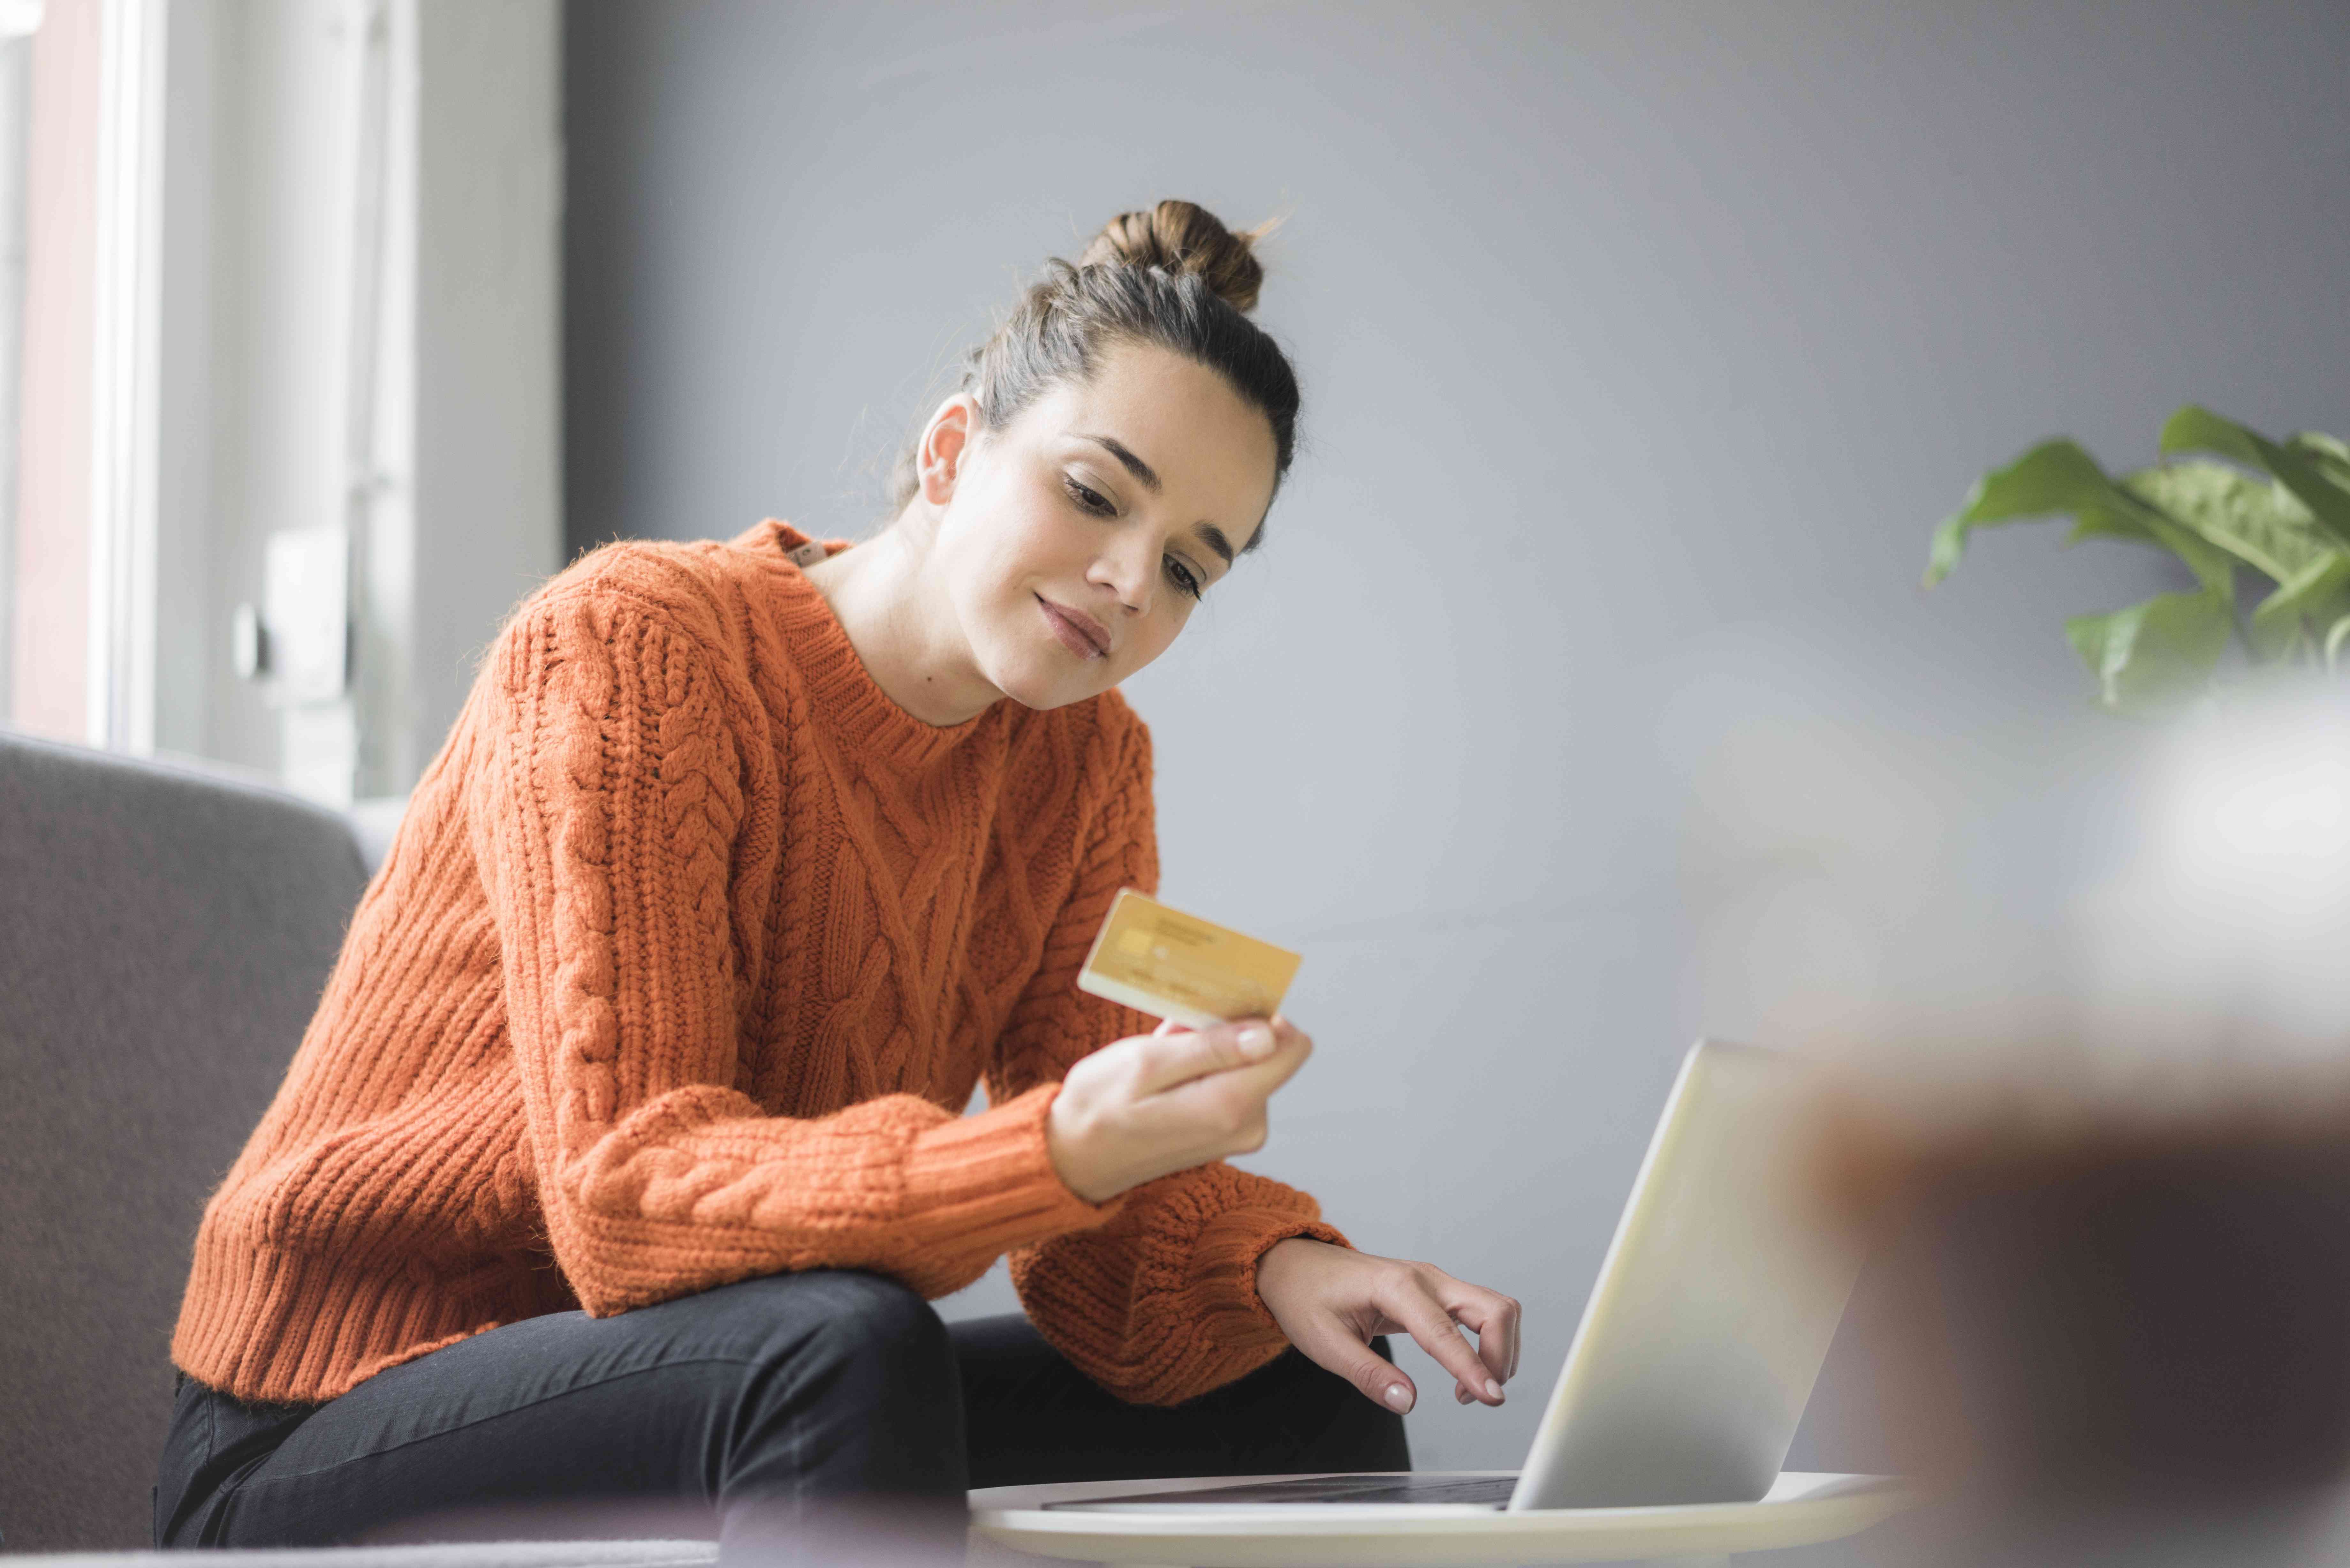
(946, 443)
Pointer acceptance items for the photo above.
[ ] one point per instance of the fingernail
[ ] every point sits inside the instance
(1492, 1389)
(1399, 1396)
(1255, 1039)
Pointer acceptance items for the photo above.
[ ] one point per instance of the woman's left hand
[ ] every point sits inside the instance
(1330, 1301)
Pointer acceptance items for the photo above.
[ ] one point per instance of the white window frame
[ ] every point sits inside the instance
(119, 679)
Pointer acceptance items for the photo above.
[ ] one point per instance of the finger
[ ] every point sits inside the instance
(1169, 1026)
(1491, 1315)
(1326, 1342)
(1409, 1302)
(1239, 1094)
(1178, 1057)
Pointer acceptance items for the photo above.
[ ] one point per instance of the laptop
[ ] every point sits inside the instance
(1702, 1340)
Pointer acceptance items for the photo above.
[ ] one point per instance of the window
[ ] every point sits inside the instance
(17, 20)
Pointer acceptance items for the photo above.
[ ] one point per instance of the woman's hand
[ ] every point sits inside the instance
(1331, 1300)
(1150, 1104)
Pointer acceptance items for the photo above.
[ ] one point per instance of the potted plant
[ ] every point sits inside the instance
(2278, 509)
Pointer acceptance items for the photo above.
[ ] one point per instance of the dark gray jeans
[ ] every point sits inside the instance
(781, 1412)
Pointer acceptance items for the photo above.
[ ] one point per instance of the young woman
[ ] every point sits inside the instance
(626, 1143)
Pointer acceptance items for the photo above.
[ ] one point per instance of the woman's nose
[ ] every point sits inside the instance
(1130, 576)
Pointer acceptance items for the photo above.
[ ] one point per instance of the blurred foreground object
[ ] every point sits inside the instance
(2115, 1220)
(2228, 913)
(2287, 519)
(2118, 1320)
(2108, 1305)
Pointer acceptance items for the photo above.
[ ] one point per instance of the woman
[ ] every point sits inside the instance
(626, 1145)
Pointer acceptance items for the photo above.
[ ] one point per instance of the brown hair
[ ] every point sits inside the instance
(1174, 276)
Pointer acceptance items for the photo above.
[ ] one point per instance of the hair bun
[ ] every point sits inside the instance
(1180, 237)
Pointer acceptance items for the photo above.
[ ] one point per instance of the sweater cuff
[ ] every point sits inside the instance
(986, 1183)
(1223, 1271)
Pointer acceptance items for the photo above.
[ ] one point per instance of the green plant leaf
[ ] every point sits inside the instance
(2196, 428)
(2334, 641)
(2055, 476)
(2328, 454)
(2058, 476)
(2309, 599)
(2106, 523)
(2154, 655)
(2260, 523)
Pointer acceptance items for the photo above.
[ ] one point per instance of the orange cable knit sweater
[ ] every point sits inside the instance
(688, 954)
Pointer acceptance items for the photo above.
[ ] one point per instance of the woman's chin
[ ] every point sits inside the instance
(1040, 684)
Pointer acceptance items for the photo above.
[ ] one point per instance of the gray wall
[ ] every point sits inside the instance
(1583, 699)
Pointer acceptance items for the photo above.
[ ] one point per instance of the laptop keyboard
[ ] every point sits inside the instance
(1492, 1491)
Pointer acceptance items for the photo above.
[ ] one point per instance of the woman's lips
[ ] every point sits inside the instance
(1080, 634)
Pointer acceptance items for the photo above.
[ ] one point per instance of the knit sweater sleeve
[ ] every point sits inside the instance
(1159, 1304)
(604, 820)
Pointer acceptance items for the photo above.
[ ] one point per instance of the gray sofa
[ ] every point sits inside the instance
(163, 937)
(164, 934)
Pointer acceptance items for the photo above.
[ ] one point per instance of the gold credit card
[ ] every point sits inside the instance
(1173, 965)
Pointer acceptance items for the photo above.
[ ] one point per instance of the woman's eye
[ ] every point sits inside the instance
(1089, 498)
(1100, 506)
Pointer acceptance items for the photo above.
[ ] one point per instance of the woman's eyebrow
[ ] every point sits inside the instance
(1208, 534)
(1143, 471)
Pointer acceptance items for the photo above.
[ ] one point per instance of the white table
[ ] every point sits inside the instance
(1804, 1508)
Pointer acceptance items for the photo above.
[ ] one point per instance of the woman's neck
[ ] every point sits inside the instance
(902, 624)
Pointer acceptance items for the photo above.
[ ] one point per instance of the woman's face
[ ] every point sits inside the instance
(1078, 539)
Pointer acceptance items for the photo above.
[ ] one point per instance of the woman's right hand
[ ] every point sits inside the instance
(1151, 1103)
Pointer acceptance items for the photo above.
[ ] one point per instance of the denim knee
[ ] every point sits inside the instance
(860, 1367)
(883, 1333)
